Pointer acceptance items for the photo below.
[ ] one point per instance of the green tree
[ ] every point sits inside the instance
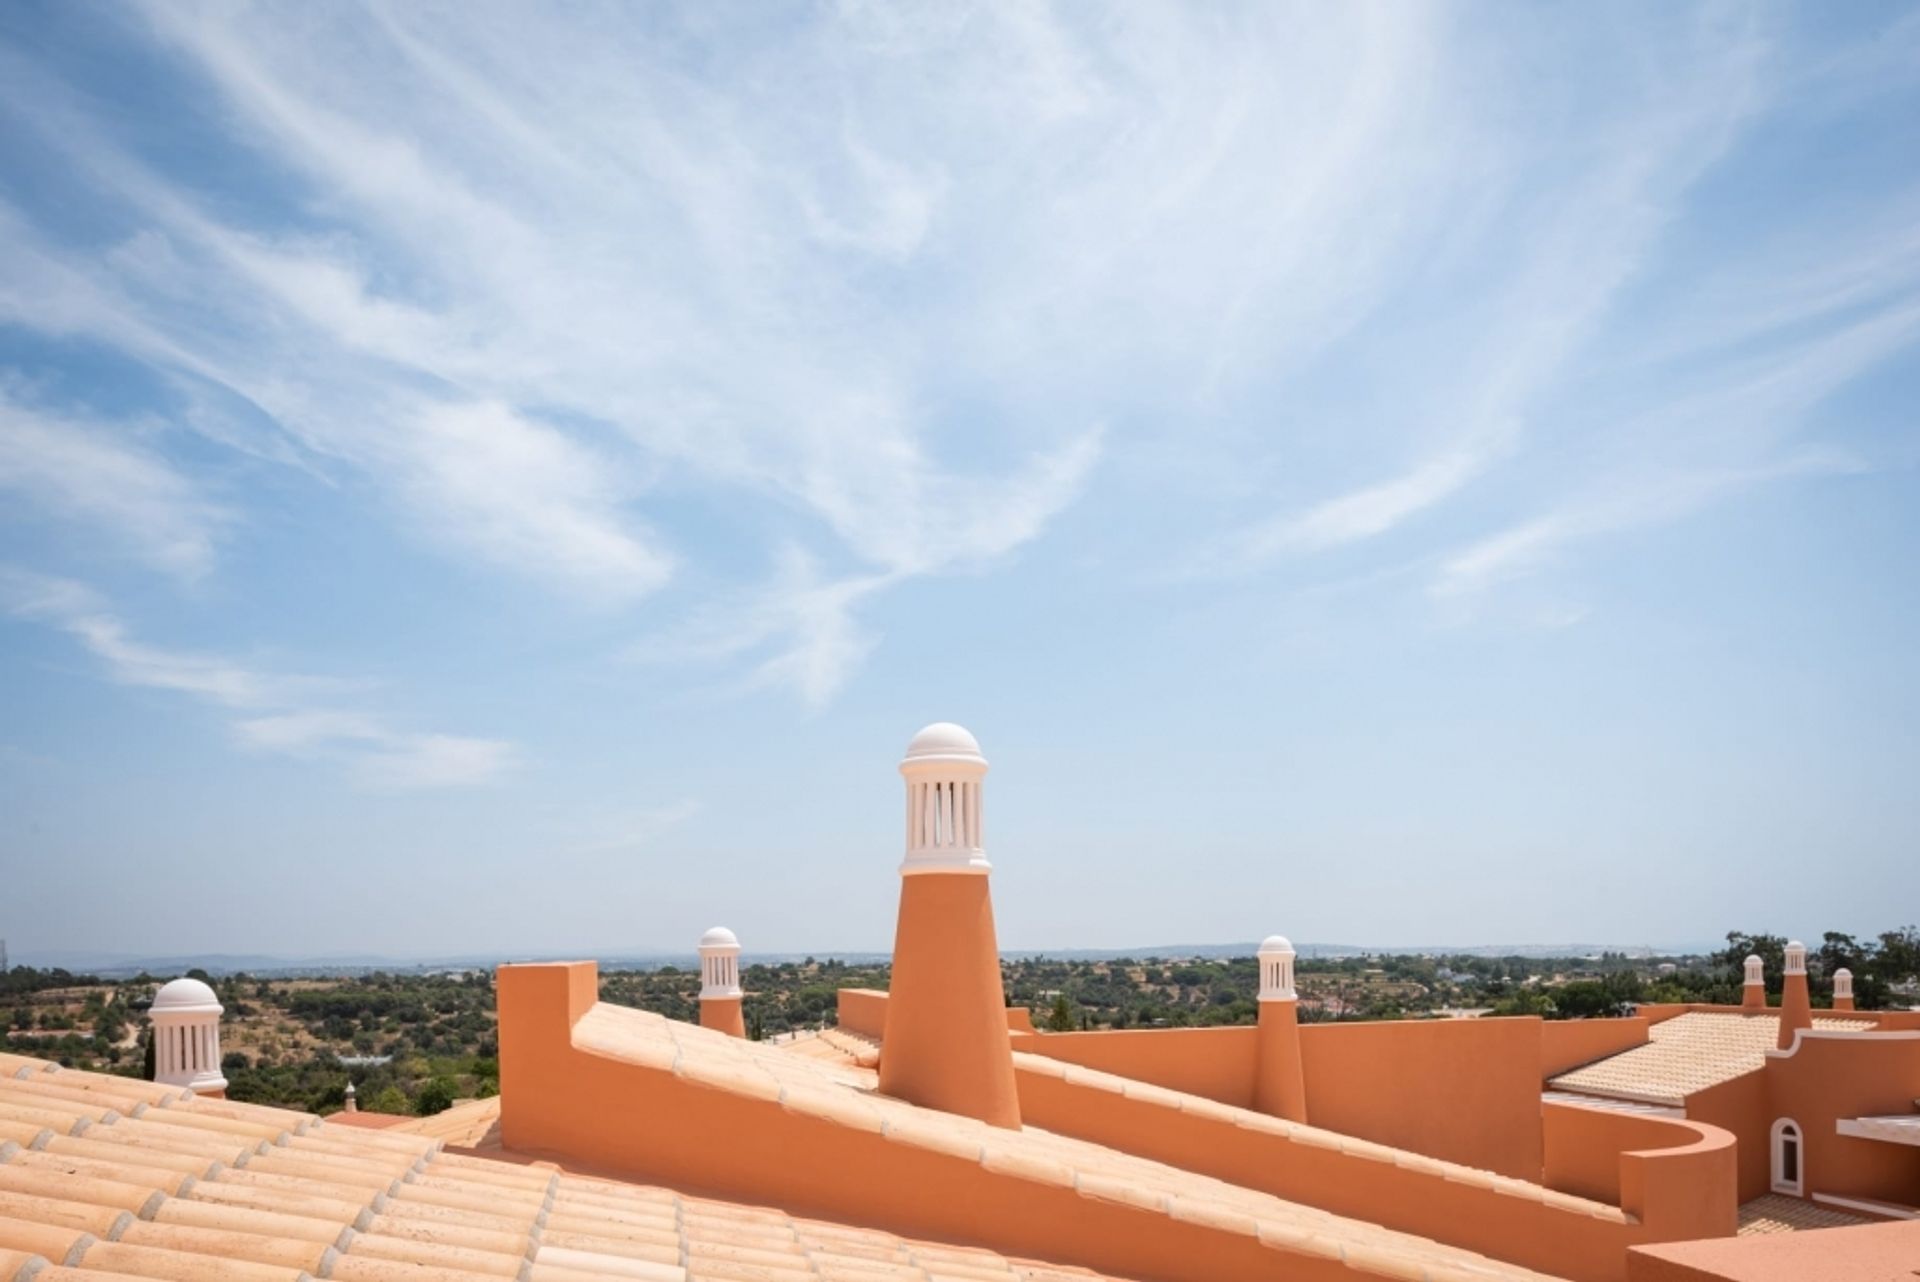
(1060, 1017)
(435, 1097)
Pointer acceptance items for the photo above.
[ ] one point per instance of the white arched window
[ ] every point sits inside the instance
(1789, 1159)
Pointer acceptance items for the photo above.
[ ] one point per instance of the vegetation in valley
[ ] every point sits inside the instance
(417, 1042)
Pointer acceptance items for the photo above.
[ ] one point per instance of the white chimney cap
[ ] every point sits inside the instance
(186, 997)
(1843, 973)
(1753, 959)
(944, 741)
(1796, 957)
(1275, 944)
(719, 937)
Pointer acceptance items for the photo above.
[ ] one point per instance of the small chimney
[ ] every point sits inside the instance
(720, 996)
(186, 1037)
(1279, 1086)
(1753, 994)
(353, 1099)
(1796, 1009)
(946, 1041)
(1843, 989)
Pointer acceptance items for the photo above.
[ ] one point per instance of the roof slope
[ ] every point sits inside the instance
(1688, 1053)
(840, 1093)
(117, 1177)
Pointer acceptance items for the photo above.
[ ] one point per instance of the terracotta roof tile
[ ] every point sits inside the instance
(1688, 1053)
(357, 1205)
(1774, 1213)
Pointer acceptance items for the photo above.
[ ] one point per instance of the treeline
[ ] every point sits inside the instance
(419, 1042)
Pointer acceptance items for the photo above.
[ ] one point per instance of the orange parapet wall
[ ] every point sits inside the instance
(1213, 1063)
(1569, 1043)
(1679, 1178)
(1466, 1090)
(863, 1011)
(1677, 1183)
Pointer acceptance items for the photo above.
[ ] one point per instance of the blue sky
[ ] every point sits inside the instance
(481, 480)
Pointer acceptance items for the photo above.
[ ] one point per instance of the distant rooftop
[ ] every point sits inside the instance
(1686, 1054)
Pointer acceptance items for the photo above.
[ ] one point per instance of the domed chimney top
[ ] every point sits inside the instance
(944, 741)
(186, 1037)
(1756, 969)
(1276, 969)
(1843, 982)
(719, 964)
(944, 770)
(186, 996)
(1796, 957)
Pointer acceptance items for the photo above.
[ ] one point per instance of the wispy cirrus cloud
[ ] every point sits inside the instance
(268, 711)
(861, 282)
(97, 474)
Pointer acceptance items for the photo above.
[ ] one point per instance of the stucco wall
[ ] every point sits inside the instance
(1466, 1090)
(1739, 1105)
(863, 1010)
(1568, 1043)
(1829, 1077)
(1213, 1063)
(1692, 1196)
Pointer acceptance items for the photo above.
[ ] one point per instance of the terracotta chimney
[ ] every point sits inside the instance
(1753, 994)
(186, 1037)
(1279, 1086)
(1843, 989)
(1796, 1011)
(946, 1041)
(720, 983)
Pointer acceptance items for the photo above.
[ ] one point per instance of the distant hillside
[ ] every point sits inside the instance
(116, 965)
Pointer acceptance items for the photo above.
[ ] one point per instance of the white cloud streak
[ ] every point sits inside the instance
(862, 283)
(96, 474)
(271, 712)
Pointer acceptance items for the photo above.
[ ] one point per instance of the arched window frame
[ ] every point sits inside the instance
(1786, 1131)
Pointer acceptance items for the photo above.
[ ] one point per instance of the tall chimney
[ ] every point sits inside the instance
(186, 1037)
(1796, 1011)
(946, 1041)
(1753, 993)
(720, 983)
(1279, 1084)
(1843, 989)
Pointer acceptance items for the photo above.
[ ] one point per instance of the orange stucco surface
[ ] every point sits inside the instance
(1867, 1253)
(739, 1134)
(1569, 1043)
(723, 1015)
(1279, 1081)
(1498, 1216)
(1829, 1078)
(863, 1011)
(946, 1030)
(1740, 1106)
(1826, 1076)
(1466, 1090)
(1214, 1063)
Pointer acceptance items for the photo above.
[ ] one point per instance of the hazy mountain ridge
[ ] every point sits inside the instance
(111, 965)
